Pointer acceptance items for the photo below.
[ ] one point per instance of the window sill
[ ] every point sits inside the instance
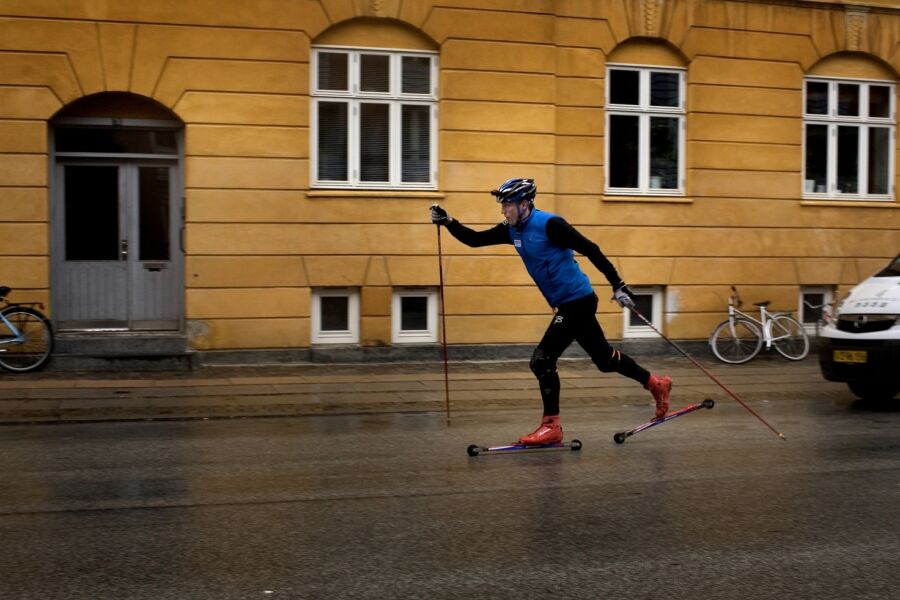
(392, 194)
(655, 199)
(851, 203)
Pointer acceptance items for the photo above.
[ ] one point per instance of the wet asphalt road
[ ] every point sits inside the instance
(711, 505)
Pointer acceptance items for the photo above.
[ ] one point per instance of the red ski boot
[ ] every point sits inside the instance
(549, 432)
(660, 386)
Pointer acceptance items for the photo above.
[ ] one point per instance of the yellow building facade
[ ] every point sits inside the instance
(700, 143)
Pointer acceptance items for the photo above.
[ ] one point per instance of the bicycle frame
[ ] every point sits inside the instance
(764, 321)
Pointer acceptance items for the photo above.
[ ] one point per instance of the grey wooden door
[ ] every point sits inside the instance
(117, 253)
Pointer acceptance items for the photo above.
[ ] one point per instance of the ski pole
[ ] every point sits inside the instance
(707, 373)
(443, 326)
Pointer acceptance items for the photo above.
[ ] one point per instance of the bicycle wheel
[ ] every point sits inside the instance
(737, 341)
(34, 351)
(789, 337)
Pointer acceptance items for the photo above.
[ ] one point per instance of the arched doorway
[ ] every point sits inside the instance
(117, 215)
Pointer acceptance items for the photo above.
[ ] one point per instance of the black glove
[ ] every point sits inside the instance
(623, 296)
(439, 216)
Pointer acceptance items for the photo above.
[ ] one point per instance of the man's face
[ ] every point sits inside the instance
(514, 212)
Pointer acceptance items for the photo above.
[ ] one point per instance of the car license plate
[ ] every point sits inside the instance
(850, 356)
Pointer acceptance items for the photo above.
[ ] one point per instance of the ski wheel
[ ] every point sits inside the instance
(472, 450)
(708, 403)
(619, 438)
(576, 445)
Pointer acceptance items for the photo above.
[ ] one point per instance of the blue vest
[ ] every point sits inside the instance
(552, 267)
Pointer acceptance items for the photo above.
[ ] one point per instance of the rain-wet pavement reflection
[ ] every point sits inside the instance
(710, 505)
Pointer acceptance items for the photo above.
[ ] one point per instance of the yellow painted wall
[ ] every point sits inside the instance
(521, 94)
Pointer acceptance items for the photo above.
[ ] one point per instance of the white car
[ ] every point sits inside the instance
(861, 344)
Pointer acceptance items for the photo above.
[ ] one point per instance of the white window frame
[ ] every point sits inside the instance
(353, 97)
(347, 336)
(832, 120)
(644, 111)
(642, 331)
(424, 336)
(828, 298)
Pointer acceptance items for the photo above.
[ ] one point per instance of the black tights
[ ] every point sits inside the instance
(577, 321)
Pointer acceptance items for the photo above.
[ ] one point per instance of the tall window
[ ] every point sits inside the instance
(848, 139)
(644, 130)
(374, 117)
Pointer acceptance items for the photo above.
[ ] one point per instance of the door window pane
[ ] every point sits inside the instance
(663, 153)
(623, 154)
(414, 313)
(848, 160)
(374, 142)
(816, 158)
(879, 101)
(153, 229)
(333, 141)
(624, 87)
(416, 142)
(334, 313)
(848, 99)
(816, 98)
(664, 89)
(108, 140)
(91, 213)
(332, 73)
(375, 73)
(879, 151)
(416, 75)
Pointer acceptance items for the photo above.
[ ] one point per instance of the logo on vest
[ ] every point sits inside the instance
(558, 319)
(518, 243)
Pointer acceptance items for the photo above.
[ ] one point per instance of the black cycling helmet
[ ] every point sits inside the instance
(516, 190)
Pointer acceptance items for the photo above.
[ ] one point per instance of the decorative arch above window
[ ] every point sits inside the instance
(388, 34)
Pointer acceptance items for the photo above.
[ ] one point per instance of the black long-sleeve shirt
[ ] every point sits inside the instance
(559, 232)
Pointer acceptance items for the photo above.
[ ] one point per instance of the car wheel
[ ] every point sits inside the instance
(879, 391)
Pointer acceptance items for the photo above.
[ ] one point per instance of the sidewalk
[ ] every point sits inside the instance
(309, 389)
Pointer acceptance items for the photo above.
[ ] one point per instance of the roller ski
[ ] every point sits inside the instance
(548, 436)
(620, 437)
(475, 450)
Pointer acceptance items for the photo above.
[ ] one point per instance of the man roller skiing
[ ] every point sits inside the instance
(546, 242)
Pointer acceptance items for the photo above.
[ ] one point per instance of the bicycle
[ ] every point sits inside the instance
(741, 337)
(26, 337)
